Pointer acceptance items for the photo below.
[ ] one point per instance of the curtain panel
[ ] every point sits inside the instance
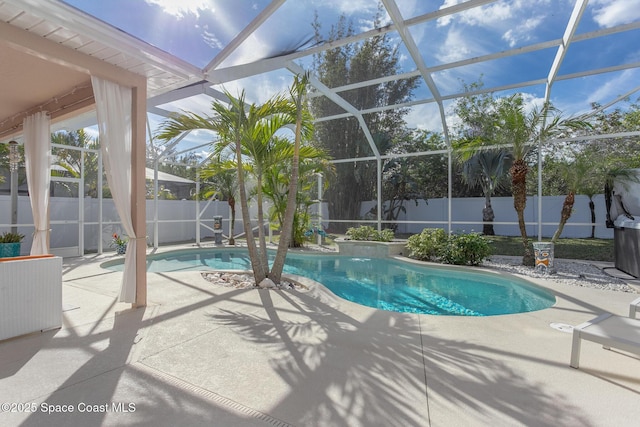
(113, 108)
(37, 150)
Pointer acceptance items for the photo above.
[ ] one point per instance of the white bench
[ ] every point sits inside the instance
(611, 331)
(30, 295)
(634, 308)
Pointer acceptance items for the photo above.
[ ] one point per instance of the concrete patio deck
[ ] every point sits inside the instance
(199, 354)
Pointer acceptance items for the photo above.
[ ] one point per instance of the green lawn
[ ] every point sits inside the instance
(585, 249)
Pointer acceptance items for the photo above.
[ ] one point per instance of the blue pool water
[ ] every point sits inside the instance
(386, 284)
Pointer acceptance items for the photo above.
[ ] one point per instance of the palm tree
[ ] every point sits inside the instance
(72, 160)
(276, 186)
(234, 124)
(590, 189)
(488, 170)
(523, 132)
(398, 186)
(303, 129)
(222, 180)
(250, 130)
(574, 174)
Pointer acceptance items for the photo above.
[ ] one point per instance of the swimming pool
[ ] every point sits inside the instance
(384, 283)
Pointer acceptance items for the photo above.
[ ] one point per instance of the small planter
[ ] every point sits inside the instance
(544, 254)
(119, 243)
(9, 250)
(10, 244)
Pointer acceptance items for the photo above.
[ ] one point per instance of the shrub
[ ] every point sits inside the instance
(365, 232)
(428, 245)
(8, 237)
(301, 222)
(385, 235)
(433, 244)
(466, 249)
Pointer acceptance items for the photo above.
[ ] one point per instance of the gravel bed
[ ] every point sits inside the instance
(573, 273)
(243, 281)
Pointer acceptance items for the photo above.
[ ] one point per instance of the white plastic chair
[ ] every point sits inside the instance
(611, 331)
(634, 308)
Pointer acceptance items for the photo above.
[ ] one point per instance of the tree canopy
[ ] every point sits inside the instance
(343, 138)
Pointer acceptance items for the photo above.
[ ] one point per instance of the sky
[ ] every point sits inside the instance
(198, 30)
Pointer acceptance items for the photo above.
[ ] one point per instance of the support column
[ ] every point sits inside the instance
(138, 189)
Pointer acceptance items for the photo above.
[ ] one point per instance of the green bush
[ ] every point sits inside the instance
(301, 223)
(466, 249)
(365, 232)
(385, 235)
(427, 246)
(433, 244)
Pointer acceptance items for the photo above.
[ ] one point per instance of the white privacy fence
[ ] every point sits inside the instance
(75, 223)
(466, 215)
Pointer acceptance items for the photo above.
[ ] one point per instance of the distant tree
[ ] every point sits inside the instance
(575, 175)
(521, 131)
(488, 170)
(412, 178)
(343, 138)
(620, 152)
(607, 158)
(4, 162)
(221, 179)
(276, 188)
(71, 162)
(485, 169)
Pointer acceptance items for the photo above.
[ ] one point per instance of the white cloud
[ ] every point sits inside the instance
(501, 15)
(348, 7)
(612, 88)
(211, 40)
(446, 20)
(424, 116)
(609, 13)
(259, 89)
(522, 32)
(479, 16)
(455, 47)
(182, 8)
(531, 101)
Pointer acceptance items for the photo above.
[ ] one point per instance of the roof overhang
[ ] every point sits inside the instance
(49, 51)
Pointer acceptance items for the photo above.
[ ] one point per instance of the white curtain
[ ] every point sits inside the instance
(37, 150)
(113, 107)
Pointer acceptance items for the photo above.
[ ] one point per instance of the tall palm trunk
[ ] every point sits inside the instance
(298, 91)
(487, 216)
(259, 273)
(592, 208)
(262, 253)
(565, 214)
(519, 170)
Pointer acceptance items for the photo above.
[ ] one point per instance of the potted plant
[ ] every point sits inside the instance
(120, 243)
(10, 244)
